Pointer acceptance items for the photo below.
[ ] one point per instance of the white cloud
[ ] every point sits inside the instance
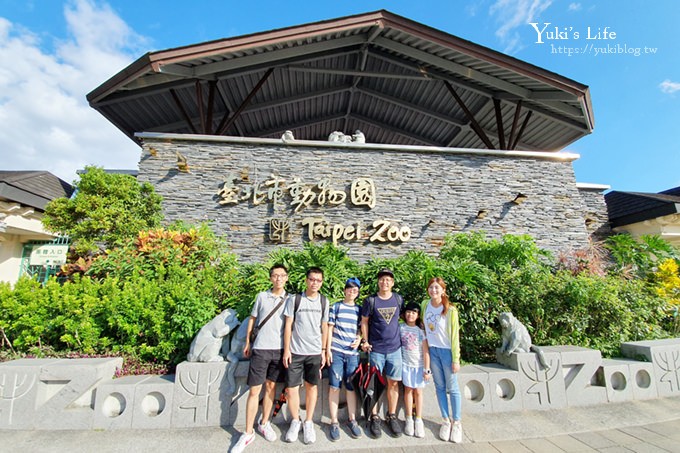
(512, 14)
(669, 87)
(574, 7)
(46, 123)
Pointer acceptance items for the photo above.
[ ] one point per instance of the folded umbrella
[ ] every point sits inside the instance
(279, 404)
(374, 387)
(358, 380)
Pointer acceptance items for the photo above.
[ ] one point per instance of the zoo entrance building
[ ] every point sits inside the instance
(372, 131)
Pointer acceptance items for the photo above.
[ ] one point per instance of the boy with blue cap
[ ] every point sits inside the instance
(343, 356)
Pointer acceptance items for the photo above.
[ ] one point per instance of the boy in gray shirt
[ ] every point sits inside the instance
(266, 356)
(304, 336)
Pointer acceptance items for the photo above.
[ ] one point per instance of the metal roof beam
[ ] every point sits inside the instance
(430, 73)
(527, 117)
(360, 66)
(301, 124)
(297, 98)
(149, 89)
(181, 108)
(395, 130)
(456, 68)
(350, 72)
(259, 106)
(499, 122)
(410, 106)
(515, 91)
(561, 107)
(376, 53)
(268, 57)
(473, 122)
(225, 123)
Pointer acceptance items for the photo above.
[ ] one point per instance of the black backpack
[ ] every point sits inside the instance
(298, 298)
(371, 301)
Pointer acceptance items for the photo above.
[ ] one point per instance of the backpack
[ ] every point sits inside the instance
(298, 298)
(336, 309)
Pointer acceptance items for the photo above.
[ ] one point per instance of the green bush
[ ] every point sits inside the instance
(105, 209)
(148, 297)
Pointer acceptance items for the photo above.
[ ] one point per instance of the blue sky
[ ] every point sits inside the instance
(54, 52)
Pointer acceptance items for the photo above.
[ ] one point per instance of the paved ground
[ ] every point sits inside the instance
(641, 426)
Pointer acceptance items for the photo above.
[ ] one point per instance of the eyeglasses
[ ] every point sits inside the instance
(279, 276)
(314, 280)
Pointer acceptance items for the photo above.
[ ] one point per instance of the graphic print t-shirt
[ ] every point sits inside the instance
(306, 335)
(435, 327)
(412, 345)
(383, 327)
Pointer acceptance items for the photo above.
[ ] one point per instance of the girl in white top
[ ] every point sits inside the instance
(442, 330)
(415, 357)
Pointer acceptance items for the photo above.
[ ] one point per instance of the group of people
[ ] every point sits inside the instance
(297, 335)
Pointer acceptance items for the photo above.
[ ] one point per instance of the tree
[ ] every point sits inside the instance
(106, 209)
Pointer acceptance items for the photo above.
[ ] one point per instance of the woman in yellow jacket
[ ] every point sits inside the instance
(442, 331)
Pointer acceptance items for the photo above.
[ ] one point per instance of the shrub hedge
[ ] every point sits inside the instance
(149, 297)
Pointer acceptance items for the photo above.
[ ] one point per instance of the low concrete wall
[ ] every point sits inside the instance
(82, 394)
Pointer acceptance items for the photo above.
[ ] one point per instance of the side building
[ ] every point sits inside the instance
(25, 246)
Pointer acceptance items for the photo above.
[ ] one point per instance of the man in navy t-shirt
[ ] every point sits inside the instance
(380, 324)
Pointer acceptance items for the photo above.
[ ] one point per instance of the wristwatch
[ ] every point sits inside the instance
(427, 371)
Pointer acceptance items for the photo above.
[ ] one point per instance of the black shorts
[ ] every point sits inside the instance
(266, 364)
(308, 366)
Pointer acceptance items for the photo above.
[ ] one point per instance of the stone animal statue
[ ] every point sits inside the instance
(234, 353)
(208, 341)
(516, 338)
(339, 137)
(287, 137)
(358, 137)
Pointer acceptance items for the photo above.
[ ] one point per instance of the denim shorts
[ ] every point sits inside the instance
(342, 368)
(388, 364)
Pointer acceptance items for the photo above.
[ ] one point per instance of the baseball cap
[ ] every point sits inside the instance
(352, 282)
(385, 271)
(412, 306)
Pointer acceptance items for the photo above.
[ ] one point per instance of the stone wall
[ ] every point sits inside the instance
(595, 210)
(420, 193)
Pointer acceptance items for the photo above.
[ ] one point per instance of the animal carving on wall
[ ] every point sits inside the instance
(207, 343)
(234, 353)
(516, 338)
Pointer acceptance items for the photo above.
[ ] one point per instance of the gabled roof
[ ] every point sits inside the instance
(32, 188)
(396, 80)
(625, 208)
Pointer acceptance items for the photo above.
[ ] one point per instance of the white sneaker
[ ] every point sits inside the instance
(293, 431)
(243, 441)
(445, 431)
(309, 435)
(457, 432)
(267, 431)
(419, 428)
(409, 427)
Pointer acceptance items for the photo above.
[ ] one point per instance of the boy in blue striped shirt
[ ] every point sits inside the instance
(344, 336)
